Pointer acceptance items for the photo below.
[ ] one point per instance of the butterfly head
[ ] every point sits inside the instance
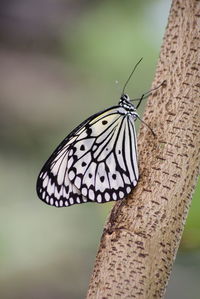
(125, 102)
(125, 97)
(127, 107)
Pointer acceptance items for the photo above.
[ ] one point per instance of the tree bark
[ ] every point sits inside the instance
(143, 232)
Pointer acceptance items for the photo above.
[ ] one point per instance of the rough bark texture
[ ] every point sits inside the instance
(143, 232)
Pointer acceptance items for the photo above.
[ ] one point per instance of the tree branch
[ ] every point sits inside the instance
(142, 235)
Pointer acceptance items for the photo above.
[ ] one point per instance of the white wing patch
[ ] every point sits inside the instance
(96, 162)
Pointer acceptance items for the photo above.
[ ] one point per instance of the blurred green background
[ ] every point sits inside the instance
(59, 61)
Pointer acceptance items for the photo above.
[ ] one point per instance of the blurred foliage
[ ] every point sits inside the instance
(191, 235)
(111, 39)
(59, 62)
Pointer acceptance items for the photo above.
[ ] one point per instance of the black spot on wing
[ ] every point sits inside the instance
(102, 178)
(82, 148)
(104, 122)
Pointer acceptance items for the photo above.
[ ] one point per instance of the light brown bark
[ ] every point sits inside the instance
(142, 235)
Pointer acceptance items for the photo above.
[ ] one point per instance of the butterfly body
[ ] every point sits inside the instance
(96, 162)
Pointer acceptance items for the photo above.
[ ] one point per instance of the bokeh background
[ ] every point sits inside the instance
(59, 62)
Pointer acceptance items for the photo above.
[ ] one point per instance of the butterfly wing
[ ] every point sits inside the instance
(97, 161)
(53, 184)
(103, 164)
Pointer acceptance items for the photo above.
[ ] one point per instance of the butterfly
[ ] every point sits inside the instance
(97, 161)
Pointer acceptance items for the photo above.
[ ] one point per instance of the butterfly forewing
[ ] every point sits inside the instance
(97, 161)
(102, 166)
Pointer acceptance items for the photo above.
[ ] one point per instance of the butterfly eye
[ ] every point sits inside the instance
(124, 97)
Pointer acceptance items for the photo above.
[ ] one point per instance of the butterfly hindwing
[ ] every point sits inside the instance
(53, 184)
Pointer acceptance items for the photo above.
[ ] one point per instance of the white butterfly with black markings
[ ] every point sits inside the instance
(97, 161)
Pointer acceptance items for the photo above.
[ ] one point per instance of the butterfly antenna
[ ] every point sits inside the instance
(157, 87)
(123, 90)
(146, 94)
